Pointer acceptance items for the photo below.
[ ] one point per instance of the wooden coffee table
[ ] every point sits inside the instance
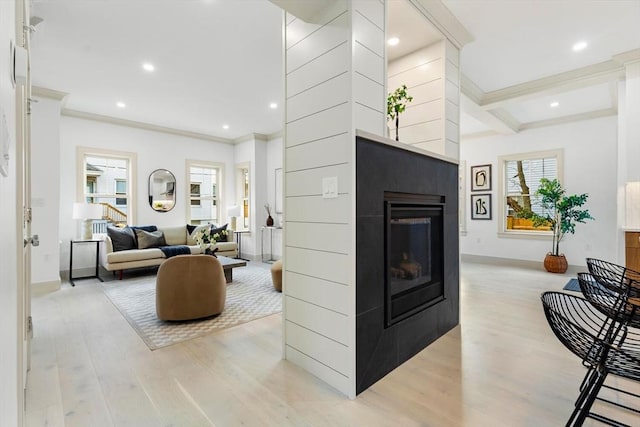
(228, 264)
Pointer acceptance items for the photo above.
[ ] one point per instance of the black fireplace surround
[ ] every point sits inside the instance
(407, 268)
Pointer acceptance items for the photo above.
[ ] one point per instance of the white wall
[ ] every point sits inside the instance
(8, 235)
(45, 191)
(590, 162)
(154, 150)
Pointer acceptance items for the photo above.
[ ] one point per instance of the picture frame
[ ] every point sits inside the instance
(481, 178)
(481, 206)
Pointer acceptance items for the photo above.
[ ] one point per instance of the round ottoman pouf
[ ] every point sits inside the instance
(276, 275)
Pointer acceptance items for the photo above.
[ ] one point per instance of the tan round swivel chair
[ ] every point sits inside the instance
(276, 275)
(190, 287)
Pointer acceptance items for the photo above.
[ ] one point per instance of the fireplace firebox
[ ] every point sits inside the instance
(414, 254)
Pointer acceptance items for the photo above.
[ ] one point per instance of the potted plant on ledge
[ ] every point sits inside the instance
(396, 104)
(561, 214)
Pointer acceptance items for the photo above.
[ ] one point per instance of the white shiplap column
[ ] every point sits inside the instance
(335, 74)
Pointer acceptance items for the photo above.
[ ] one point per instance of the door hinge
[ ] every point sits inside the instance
(28, 214)
(30, 327)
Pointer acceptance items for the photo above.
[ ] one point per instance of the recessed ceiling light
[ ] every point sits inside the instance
(554, 104)
(393, 41)
(148, 66)
(225, 127)
(120, 104)
(579, 46)
(273, 105)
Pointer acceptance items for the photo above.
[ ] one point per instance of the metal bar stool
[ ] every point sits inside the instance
(578, 326)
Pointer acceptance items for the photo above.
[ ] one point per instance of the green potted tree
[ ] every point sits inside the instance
(561, 213)
(396, 104)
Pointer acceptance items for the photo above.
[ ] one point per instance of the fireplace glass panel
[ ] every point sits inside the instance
(414, 258)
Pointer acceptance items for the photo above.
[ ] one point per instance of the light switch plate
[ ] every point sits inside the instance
(330, 187)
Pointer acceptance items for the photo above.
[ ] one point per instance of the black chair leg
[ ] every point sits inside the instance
(586, 399)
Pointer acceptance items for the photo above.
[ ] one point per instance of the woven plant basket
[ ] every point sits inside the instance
(555, 263)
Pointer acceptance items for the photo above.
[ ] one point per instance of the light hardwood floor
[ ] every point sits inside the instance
(502, 366)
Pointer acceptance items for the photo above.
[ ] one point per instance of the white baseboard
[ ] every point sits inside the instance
(533, 265)
(42, 288)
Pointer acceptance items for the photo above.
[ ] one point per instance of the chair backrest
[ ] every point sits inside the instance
(611, 298)
(190, 287)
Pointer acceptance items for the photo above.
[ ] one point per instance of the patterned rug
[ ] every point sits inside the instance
(250, 296)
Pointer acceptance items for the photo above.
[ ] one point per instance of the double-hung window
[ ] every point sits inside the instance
(520, 177)
(107, 177)
(205, 182)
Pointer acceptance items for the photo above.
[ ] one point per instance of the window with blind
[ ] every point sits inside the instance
(521, 175)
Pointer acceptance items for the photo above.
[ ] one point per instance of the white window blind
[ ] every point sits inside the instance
(534, 170)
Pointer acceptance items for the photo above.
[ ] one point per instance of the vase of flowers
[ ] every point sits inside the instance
(269, 217)
(207, 237)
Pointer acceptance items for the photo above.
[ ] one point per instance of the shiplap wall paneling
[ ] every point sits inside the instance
(369, 58)
(452, 101)
(318, 139)
(423, 122)
(335, 83)
(331, 295)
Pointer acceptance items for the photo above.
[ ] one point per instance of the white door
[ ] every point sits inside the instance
(23, 162)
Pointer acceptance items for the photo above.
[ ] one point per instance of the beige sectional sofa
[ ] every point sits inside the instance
(135, 258)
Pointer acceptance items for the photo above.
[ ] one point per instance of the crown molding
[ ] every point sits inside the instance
(250, 137)
(478, 135)
(445, 21)
(569, 119)
(308, 11)
(43, 92)
(558, 83)
(627, 57)
(141, 125)
(278, 134)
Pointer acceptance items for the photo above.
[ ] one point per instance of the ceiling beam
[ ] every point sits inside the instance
(568, 119)
(499, 121)
(575, 79)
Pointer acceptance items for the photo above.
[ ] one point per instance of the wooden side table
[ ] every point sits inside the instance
(97, 275)
(632, 250)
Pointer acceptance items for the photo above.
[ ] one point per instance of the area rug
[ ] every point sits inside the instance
(250, 296)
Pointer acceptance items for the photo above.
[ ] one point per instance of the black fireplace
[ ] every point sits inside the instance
(407, 282)
(414, 254)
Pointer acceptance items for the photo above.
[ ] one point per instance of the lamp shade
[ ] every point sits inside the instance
(233, 211)
(632, 217)
(87, 211)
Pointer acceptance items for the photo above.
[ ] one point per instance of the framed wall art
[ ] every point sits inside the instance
(481, 206)
(481, 178)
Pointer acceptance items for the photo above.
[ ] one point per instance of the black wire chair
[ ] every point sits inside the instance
(578, 326)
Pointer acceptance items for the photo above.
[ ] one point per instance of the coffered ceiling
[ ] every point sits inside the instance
(219, 62)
